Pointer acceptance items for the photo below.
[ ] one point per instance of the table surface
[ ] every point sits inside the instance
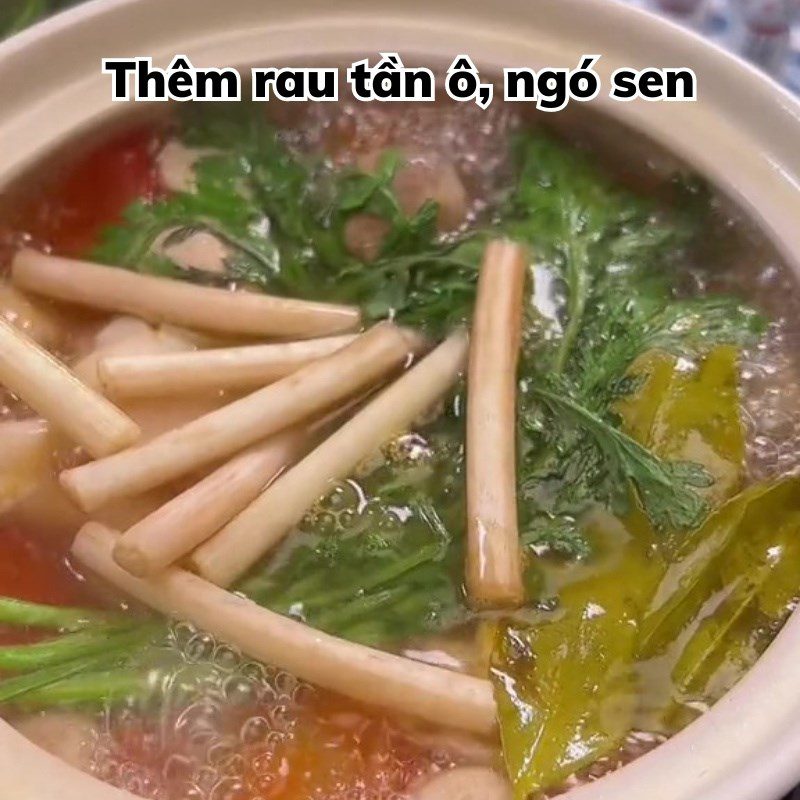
(766, 32)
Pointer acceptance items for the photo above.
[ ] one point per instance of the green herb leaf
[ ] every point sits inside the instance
(665, 489)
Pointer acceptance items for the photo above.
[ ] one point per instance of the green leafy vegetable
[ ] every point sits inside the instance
(282, 216)
(614, 254)
(666, 489)
(611, 253)
(23, 658)
(219, 207)
(379, 560)
(713, 637)
(565, 687)
(691, 412)
(557, 535)
(105, 683)
(104, 659)
(20, 613)
(95, 643)
(22, 689)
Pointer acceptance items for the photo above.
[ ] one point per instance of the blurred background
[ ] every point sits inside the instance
(765, 32)
(18, 14)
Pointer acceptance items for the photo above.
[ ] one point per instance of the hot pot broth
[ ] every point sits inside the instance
(654, 431)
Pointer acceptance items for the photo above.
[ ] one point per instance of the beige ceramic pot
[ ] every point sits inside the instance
(743, 133)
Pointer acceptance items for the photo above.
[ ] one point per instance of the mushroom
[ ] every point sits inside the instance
(364, 234)
(42, 324)
(420, 178)
(424, 177)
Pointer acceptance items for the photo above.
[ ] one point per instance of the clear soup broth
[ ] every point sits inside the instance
(653, 519)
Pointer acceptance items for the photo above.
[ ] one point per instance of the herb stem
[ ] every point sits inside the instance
(378, 578)
(11, 689)
(22, 614)
(88, 688)
(31, 657)
(578, 282)
(357, 608)
(29, 13)
(262, 589)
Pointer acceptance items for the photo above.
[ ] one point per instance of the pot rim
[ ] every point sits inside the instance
(742, 133)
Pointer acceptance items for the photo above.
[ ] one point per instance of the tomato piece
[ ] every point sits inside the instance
(330, 748)
(340, 750)
(29, 571)
(94, 191)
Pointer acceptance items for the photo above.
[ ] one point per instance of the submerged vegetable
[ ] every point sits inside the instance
(565, 686)
(247, 190)
(20, 14)
(692, 576)
(614, 254)
(92, 643)
(379, 559)
(612, 251)
(690, 410)
(699, 421)
(747, 578)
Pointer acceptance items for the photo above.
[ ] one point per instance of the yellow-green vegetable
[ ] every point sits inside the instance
(772, 551)
(690, 412)
(655, 370)
(697, 571)
(757, 579)
(565, 687)
(698, 421)
(718, 634)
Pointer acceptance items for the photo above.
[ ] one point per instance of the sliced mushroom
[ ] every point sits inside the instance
(27, 459)
(128, 336)
(364, 234)
(465, 783)
(199, 250)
